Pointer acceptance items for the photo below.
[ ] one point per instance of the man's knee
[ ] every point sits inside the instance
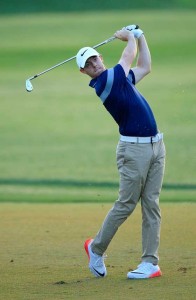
(124, 208)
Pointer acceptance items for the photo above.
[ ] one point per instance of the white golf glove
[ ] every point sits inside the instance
(135, 30)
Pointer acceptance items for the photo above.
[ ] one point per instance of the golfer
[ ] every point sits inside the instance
(140, 151)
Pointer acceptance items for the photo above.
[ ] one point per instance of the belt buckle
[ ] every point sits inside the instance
(154, 138)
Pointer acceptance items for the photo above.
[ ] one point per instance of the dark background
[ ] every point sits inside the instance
(34, 6)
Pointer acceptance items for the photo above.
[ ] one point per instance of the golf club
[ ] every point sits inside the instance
(29, 86)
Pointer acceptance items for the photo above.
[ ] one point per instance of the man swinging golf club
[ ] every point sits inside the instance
(140, 151)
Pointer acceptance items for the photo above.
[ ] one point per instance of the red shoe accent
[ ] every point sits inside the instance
(156, 274)
(87, 242)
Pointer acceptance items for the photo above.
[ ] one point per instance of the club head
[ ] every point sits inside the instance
(29, 86)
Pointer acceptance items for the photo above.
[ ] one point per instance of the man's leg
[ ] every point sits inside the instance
(133, 162)
(151, 216)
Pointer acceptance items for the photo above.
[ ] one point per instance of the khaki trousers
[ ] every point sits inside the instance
(141, 169)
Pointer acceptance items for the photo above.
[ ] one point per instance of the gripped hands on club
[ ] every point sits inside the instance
(124, 35)
(128, 32)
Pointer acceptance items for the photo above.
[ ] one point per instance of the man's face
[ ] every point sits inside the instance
(94, 66)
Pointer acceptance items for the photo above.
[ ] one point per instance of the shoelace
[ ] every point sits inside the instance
(100, 260)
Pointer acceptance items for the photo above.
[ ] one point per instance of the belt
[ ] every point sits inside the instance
(142, 140)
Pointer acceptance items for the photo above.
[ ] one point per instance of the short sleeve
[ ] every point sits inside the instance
(131, 77)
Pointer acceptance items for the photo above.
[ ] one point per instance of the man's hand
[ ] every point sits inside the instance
(131, 27)
(135, 30)
(124, 34)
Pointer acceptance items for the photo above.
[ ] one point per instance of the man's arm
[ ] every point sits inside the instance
(130, 51)
(143, 65)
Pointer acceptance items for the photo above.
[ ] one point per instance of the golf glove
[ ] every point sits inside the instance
(135, 30)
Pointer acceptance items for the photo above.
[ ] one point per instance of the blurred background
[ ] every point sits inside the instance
(57, 144)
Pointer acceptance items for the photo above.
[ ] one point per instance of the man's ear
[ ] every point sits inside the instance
(82, 71)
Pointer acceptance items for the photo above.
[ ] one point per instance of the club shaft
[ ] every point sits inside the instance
(71, 58)
(51, 68)
(104, 42)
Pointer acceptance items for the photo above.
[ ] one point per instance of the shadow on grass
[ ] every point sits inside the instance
(83, 184)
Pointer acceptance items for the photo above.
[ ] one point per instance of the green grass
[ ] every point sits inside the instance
(60, 133)
(42, 255)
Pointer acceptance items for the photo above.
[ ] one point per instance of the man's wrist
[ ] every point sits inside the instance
(137, 33)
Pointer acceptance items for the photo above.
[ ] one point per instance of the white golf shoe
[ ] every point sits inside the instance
(145, 270)
(96, 262)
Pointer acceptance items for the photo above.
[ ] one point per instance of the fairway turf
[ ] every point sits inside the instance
(42, 255)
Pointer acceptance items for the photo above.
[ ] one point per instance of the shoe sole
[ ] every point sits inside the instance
(156, 274)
